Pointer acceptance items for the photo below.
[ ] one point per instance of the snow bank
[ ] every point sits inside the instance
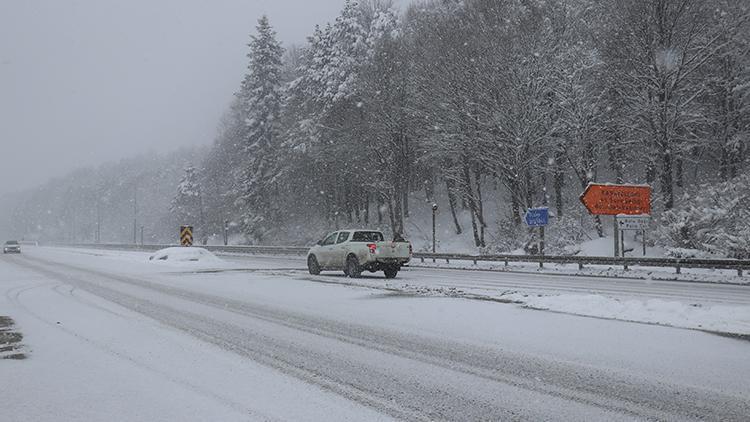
(185, 254)
(719, 318)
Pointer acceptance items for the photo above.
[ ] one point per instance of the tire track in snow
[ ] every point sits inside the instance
(14, 296)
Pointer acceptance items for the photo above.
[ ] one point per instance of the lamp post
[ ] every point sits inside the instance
(434, 241)
(226, 232)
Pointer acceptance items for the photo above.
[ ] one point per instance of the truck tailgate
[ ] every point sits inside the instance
(387, 250)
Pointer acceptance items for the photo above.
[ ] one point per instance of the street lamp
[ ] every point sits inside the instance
(434, 212)
(226, 232)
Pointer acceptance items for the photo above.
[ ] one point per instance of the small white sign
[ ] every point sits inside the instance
(633, 222)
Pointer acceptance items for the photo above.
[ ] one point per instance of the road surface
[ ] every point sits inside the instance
(118, 338)
(500, 282)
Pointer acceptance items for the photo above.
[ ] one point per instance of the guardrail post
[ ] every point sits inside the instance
(625, 267)
(422, 258)
(447, 261)
(580, 266)
(739, 272)
(506, 262)
(679, 269)
(475, 261)
(541, 264)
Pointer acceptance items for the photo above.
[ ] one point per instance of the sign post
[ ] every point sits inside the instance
(638, 223)
(186, 235)
(538, 217)
(627, 200)
(616, 236)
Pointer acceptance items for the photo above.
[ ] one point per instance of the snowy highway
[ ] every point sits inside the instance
(111, 336)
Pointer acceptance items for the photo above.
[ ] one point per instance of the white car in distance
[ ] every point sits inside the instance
(354, 251)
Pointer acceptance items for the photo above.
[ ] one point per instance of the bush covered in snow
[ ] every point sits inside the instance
(563, 236)
(713, 218)
(568, 233)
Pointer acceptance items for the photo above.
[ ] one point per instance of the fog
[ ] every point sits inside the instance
(86, 82)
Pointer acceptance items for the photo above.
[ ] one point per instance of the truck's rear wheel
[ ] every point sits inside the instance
(312, 265)
(353, 269)
(390, 272)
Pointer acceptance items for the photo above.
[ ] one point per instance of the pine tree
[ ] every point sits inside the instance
(260, 101)
(187, 204)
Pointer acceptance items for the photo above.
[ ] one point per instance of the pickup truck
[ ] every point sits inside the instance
(354, 251)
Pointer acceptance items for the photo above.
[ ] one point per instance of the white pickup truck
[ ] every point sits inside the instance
(354, 251)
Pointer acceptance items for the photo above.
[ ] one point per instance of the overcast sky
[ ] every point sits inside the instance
(88, 81)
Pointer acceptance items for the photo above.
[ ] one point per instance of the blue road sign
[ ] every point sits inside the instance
(537, 217)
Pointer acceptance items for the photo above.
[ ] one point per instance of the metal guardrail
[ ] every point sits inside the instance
(739, 265)
(257, 250)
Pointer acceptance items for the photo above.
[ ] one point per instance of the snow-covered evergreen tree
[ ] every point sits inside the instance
(187, 204)
(260, 101)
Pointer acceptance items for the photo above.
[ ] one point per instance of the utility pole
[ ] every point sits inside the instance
(142, 236)
(98, 221)
(135, 214)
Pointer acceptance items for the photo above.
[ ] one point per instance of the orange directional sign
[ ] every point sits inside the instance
(603, 199)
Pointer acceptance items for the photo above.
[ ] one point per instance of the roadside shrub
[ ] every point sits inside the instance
(713, 218)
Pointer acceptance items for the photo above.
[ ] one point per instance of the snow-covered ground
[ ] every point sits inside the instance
(112, 336)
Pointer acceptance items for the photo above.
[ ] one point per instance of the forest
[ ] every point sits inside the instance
(484, 107)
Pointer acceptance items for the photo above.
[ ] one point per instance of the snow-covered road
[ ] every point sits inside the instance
(111, 336)
(498, 282)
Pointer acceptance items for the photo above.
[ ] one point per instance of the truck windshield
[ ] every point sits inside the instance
(11, 242)
(367, 237)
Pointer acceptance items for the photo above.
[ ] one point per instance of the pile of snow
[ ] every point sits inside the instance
(718, 318)
(185, 254)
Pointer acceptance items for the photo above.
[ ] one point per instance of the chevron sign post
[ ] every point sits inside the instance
(186, 235)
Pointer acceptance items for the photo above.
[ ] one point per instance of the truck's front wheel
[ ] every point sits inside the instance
(391, 272)
(312, 265)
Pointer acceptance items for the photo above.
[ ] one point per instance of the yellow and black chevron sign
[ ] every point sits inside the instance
(186, 235)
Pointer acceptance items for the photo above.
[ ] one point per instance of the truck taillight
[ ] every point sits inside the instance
(372, 247)
(410, 249)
